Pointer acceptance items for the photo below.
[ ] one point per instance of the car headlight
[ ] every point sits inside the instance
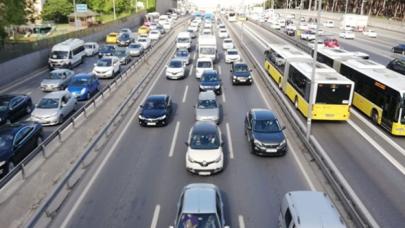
(282, 143)
(257, 143)
(190, 159)
(141, 117)
(2, 163)
(217, 86)
(218, 159)
(82, 91)
(161, 117)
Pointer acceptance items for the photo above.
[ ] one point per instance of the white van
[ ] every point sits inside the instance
(309, 209)
(183, 40)
(202, 65)
(329, 24)
(67, 54)
(163, 19)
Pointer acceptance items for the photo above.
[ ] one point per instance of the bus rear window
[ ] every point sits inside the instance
(333, 94)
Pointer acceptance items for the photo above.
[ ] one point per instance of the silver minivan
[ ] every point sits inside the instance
(313, 209)
(200, 205)
(207, 107)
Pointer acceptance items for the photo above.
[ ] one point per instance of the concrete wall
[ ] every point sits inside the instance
(163, 5)
(18, 68)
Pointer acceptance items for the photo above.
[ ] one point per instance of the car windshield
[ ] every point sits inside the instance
(266, 126)
(120, 53)
(209, 77)
(228, 41)
(175, 64)
(222, 31)
(48, 103)
(4, 104)
(106, 48)
(124, 37)
(183, 40)
(134, 46)
(112, 35)
(204, 64)
(207, 104)
(198, 221)
(89, 46)
(204, 140)
(56, 75)
(207, 51)
(232, 53)
(182, 53)
(142, 40)
(154, 104)
(239, 68)
(6, 140)
(104, 62)
(59, 55)
(80, 81)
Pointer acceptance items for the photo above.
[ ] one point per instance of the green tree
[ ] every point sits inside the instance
(30, 11)
(57, 10)
(11, 13)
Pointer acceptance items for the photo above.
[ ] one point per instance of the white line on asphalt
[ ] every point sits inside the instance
(241, 221)
(219, 70)
(155, 217)
(191, 70)
(378, 131)
(106, 158)
(230, 146)
(382, 151)
(185, 94)
(223, 95)
(194, 56)
(22, 81)
(28, 93)
(176, 132)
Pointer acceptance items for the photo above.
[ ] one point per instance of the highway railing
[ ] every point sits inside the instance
(352, 204)
(50, 205)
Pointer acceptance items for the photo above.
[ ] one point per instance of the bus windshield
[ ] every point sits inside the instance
(333, 94)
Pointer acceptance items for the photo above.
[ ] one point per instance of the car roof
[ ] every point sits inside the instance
(157, 97)
(56, 94)
(204, 60)
(14, 127)
(240, 63)
(204, 127)
(263, 114)
(232, 49)
(210, 71)
(83, 75)
(8, 96)
(207, 95)
(199, 198)
(61, 70)
(314, 209)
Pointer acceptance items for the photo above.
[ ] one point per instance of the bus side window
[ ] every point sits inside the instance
(70, 55)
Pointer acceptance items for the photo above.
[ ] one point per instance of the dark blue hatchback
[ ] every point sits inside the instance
(155, 111)
(210, 81)
(241, 74)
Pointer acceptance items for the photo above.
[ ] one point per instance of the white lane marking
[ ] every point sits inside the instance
(185, 94)
(223, 96)
(191, 70)
(176, 132)
(107, 157)
(155, 217)
(262, 94)
(230, 146)
(219, 70)
(28, 93)
(378, 131)
(297, 160)
(241, 221)
(382, 151)
(194, 56)
(24, 80)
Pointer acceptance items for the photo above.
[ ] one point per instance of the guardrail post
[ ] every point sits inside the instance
(22, 170)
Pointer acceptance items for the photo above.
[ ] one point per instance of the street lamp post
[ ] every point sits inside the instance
(75, 12)
(347, 3)
(311, 94)
(115, 16)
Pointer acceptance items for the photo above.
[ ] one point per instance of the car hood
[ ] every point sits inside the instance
(153, 113)
(52, 82)
(202, 155)
(5, 153)
(76, 88)
(40, 112)
(241, 74)
(275, 137)
(98, 68)
(207, 114)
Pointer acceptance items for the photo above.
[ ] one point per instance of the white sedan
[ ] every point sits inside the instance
(223, 33)
(227, 44)
(107, 67)
(232, 55)
(370, 33)
(347, 35)
(154, 34)
(145, 42)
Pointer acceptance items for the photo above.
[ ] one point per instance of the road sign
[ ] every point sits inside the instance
(81, 8)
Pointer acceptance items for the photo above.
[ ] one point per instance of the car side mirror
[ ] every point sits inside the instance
(141, 106)
(282, 128)
(186, 143)
(250, 70)
(227, 227)
(231, 70)
(171, 226)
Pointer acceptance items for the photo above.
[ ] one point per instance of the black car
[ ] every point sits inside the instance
(124, 39)
(17, 140)
(241, 74)
(13, 107)
(106, 50)
(400, 48)
(156, 111)
(290, 32)
(210, 81)
(264, 133)
(161, 29)
(397, 65)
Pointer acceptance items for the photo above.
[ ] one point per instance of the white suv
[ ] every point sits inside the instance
(203, 64)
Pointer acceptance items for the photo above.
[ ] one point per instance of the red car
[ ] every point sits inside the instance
(331, 43)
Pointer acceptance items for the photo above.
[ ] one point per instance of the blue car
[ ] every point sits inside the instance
(210, 81)
(83, 86)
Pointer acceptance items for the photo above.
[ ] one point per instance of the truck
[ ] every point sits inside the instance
(358, 23)
(207, 47)
(183, 40)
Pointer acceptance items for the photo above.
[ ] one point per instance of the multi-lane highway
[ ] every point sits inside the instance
(370, 159)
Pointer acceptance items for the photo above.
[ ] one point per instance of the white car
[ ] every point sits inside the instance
(291, 27)
(275, 25)
(223, 33)
(207, 25)
(167, 26)
(193, 28)
(145, 42)
(232, 55)
(91, 48)
(204, 154)
(308, 35)
(206, 32)
(107, 67)
(54, 107)
(221, 26)
(203, 64)
(329, 24)
(347, 35)
(370, 33)
(175, 69)
(348, 28)
(154, 35)
(227, 44)
(303, 26)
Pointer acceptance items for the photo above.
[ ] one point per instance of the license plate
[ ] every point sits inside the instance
(271, 150)
(242, 80)
(151, 123)
(204, 173)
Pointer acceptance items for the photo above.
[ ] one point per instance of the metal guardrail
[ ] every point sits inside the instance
(355, 209)
(74, 174)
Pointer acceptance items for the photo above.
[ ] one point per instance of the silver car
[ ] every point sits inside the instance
(135, 49)
(54, 107)
(183, 54)
(200, 205)
(207, 107)
(57, 80)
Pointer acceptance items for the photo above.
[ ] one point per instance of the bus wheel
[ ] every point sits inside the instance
(279, 83)
(296, 102)
(374, 116)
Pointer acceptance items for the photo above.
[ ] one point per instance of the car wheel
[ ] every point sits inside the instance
(88, 96)
(75, 107)
(296, 103)
(10, 166)
(39, 140)
(60, 119)
(374, 116)
(28, 109)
